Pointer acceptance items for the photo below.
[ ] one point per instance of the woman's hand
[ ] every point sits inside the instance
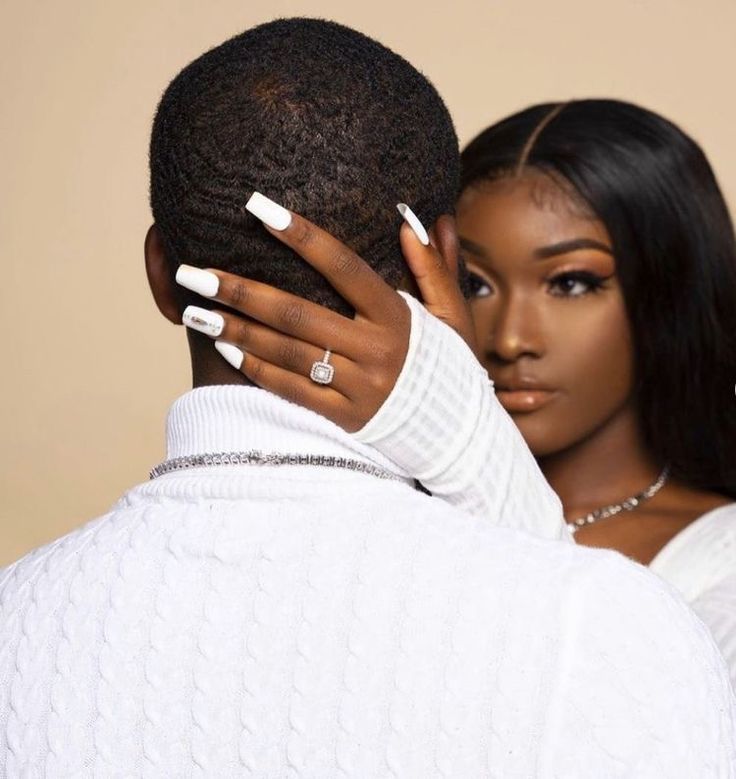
(282, 336)
(436, 273)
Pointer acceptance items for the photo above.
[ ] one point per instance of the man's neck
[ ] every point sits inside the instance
(208, 367)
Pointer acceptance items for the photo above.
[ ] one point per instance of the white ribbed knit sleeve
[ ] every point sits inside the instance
(443, 424)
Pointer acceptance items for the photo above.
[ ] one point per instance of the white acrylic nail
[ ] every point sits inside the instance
(413, 221)
(231, 353)
(202, 320)
(200, 281)
(267, 211)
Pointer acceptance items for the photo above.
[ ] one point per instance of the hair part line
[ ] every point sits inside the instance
(529, 145)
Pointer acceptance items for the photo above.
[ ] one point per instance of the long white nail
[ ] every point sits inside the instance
(231, 353)
(200, 281)
(267, 211)
(202, 320)
(413, 221)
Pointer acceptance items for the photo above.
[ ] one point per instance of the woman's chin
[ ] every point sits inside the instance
(543, 436)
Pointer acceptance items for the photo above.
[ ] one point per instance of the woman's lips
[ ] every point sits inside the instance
(523, 399)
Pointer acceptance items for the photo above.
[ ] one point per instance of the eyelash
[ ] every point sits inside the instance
(592, 282)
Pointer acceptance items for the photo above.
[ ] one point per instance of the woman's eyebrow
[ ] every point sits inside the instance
(473, 248)
(570, 246)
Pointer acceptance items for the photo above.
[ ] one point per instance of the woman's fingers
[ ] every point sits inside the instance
(282, 336)
(287, 365)
(282, 314)
(429, 269)
(436, 281)
(364, 381)
(448, 243)
(291, 354)
(323, 399)
(303, 391)
(281, 310)
(351, 277)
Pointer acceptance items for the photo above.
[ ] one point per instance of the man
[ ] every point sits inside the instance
(295, 607)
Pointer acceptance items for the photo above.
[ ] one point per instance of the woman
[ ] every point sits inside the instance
(603, 275)
(603, 269)
(604, 281)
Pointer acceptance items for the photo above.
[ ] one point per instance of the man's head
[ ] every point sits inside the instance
(316, 116)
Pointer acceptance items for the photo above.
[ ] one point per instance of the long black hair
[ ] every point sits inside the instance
(673, 239)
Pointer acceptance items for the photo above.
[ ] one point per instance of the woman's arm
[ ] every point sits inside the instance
(404, 381)
(443, 424)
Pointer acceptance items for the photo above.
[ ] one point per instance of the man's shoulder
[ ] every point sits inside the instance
(438, 535)
(489, 552)
(612, 591)
(638, 653)
(52, 562)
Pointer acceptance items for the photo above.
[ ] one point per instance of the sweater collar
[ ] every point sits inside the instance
(235, 418)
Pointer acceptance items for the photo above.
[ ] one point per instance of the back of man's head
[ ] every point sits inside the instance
(316, 116)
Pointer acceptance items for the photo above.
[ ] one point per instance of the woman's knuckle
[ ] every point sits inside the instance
(377, 381)
(332, 332)
(345, 262)
(256, 371)
(292, 315)
(291, 354)
(242, 331)
(304, 233)
(399, 318)
(238, 293)
(377, 351)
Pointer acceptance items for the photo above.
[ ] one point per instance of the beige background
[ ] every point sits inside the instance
(88, 366)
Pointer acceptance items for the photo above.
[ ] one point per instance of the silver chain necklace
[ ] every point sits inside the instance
(625, 505)
(255, 457)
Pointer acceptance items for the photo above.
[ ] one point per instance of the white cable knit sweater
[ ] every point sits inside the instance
(443, 424)
(306, 621)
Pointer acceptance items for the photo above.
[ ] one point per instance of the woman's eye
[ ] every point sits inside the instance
(573, 285)
(479, 287)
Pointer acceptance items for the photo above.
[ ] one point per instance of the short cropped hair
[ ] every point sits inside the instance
(673, 239)
(320, 118)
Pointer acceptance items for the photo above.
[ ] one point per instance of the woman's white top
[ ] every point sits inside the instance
(443, 424)
(700, 562)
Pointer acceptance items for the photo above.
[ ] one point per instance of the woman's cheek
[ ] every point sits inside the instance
(592, 360)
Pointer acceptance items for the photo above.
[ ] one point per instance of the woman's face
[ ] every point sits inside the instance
(548, 309)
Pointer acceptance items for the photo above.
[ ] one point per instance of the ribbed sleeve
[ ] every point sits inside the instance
(443, 424)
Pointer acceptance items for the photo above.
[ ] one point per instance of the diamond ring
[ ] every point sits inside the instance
(322, 372)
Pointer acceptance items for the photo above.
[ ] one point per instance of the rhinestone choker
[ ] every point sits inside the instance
(254, 457)
(625, 505)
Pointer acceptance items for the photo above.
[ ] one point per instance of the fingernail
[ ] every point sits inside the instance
(267, 211)
(200, 281)
(231, 353)
(202, 320)
(413, 221)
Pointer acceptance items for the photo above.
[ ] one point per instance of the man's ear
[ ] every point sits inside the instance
(443, 235)
(159, 276)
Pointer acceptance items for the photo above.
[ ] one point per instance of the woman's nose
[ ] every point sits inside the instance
(514, 330)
